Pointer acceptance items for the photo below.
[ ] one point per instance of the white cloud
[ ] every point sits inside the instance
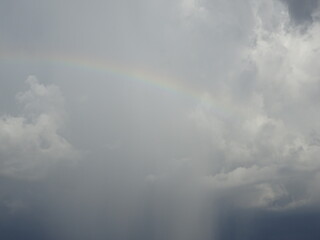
(31, 142)
(272, 129)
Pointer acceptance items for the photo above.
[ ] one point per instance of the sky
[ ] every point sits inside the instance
(160, 120)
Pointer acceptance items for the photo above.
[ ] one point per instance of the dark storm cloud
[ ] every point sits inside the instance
(247, 224)
(301, 11)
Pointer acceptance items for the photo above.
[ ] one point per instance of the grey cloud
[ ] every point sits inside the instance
(238, 141)
(30, 143)
(248, 224)
(25, 25)
(301, 11)
(267, 139)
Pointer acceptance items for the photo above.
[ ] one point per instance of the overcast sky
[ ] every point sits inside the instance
(160, 119)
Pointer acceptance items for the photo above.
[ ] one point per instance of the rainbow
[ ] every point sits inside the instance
(133, 73)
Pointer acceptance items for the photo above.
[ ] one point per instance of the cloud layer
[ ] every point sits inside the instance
(235, 157)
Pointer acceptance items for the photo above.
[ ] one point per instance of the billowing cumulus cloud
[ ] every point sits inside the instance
(272, 132)
(30, 142)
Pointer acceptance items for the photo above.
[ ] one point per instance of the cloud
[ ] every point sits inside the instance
(243, 131)
(15, 206)
(267, 136)
(301, 11)
(31, 143)
(193, 8)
